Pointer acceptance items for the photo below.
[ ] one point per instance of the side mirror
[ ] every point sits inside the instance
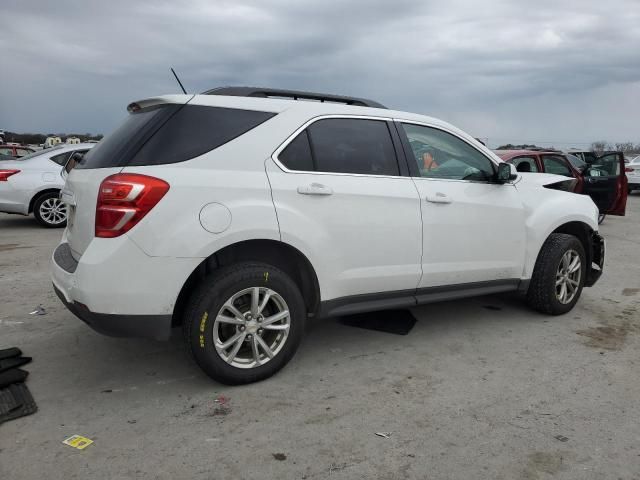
(504, 173)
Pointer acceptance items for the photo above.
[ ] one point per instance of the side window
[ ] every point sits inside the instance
(61, 158)
(442, 155)
(525, 164)
(21, 152)
(7, 151)
(342, 145)
(607, 165)
(556, 165)
(297, 155)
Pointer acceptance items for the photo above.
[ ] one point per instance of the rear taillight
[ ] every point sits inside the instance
(124, 199)
(5, 174)
(628, 169)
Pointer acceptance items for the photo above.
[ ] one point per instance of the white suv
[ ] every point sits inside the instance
(238, 216)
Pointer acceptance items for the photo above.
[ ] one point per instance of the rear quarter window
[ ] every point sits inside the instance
(170, 134)
(195, 130)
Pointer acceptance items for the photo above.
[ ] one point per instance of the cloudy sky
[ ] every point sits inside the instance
(551, 72)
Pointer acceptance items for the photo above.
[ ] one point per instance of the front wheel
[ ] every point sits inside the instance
(50, 211)
(244, 323)
(558, 276)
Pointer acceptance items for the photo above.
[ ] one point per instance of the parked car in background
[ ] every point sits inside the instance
(632, 169)
(238, 217)
(599, 176)
(32, 184)
(16, 151)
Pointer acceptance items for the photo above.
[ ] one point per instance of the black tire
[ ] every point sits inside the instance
(541, 294)
(40, 214)
(208, 299)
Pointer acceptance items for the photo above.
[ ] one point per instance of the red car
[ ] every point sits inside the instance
(16, 151)
(601, 176)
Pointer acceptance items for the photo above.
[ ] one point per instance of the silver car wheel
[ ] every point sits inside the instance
(568, 276)
(53, 211)
(251, 327)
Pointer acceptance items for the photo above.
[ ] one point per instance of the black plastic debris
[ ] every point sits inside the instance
(15, 375)
(10, 352)
(13, 362)
(399, 322)
(15, 399)
(15, 402)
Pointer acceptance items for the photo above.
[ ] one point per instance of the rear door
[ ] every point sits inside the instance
(341, 198)
(606, 183)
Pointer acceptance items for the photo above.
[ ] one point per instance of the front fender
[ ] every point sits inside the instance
(546, 211)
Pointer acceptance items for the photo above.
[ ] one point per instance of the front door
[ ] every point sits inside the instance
(606, 182)
(343, 201)
(473, 229)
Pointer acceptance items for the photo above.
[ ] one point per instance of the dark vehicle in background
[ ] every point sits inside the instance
(15, 151)
(601, 176)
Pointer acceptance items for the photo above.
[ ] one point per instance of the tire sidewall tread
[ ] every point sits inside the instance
(541, 294)
(208, 298)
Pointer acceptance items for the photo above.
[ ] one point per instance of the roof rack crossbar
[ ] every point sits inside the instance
(293, 94)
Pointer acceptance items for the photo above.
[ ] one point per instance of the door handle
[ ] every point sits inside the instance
(439, 198)
(315, 189)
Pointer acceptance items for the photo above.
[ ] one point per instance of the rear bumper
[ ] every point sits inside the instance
(117, 289)
(149, 326)
(596, 255)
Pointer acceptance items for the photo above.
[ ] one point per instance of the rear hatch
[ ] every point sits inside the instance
(108, 157)
(158, 131)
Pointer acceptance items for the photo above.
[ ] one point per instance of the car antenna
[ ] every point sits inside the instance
(178, 80)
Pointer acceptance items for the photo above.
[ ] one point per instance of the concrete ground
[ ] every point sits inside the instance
(480, 389)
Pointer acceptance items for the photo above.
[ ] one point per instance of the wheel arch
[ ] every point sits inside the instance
(39, 194)
(279, 254)
(581, 230)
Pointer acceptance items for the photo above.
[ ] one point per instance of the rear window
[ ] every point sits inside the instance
(171, 134)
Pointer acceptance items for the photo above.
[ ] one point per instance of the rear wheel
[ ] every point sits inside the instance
(244, 323)
(558, 276)
(50, 211)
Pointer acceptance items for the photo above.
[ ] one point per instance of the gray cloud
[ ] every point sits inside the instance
(549, 71)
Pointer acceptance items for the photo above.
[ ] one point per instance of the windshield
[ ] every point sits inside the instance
(39, 152)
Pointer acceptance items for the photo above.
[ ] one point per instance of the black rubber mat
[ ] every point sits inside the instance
(13, 362)
(399, 322)
(10, 352)
(12, 376)
(15, 402)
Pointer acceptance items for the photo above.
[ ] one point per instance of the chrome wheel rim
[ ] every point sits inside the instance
(53, 211)
(568, 276)
(251, 327)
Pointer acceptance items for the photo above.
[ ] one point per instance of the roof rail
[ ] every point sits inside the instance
(292, 94)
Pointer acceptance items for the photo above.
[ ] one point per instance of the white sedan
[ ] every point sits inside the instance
(632, 169)
(32, 184)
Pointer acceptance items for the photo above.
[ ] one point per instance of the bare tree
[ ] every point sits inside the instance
(599, 146)
(624, 147)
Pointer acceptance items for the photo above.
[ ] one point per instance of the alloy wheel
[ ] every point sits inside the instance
(568, 276)
(53, 211)
(251, 327)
